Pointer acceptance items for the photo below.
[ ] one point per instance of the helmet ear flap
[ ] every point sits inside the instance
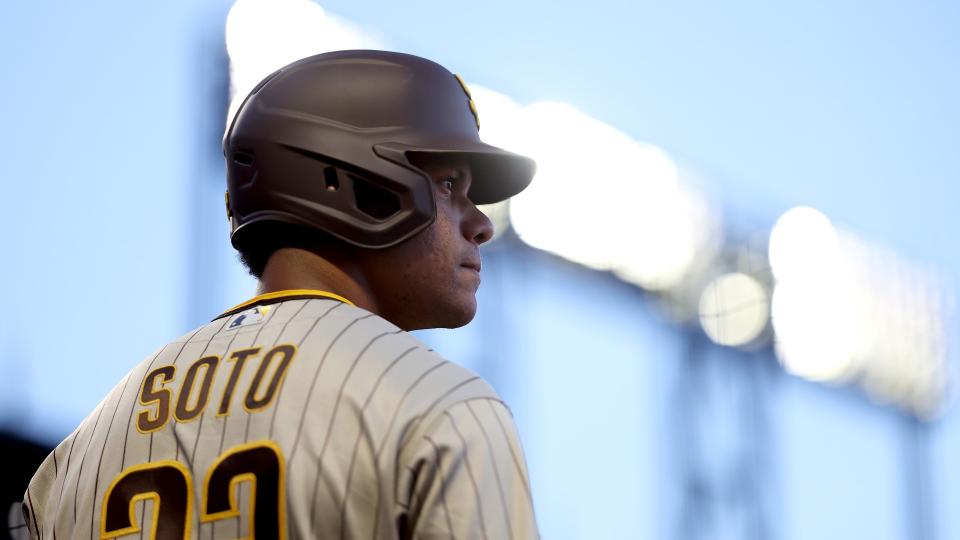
(352, 203)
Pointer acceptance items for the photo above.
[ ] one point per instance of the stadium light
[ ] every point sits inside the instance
(845, 310)
(734, 309)
(811, 305)
(603, 200)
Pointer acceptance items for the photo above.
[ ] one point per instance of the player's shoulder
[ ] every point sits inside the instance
(412, 369)
(398, 369)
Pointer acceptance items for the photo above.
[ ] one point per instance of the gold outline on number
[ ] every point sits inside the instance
(149, 495)
(234, 490)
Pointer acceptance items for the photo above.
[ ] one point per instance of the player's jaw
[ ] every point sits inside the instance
(454, 284)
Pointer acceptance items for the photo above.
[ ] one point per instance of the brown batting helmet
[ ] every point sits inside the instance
(326, 142)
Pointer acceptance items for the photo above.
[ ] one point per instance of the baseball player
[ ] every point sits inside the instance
(309, 411)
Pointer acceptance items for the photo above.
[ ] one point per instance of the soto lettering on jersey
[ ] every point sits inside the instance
(160, 395)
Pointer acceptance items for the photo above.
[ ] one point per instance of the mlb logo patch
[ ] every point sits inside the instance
(249, 317)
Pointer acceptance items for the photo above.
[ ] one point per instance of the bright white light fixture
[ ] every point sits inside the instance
(603, 200)
(803, 245)
(734, 309)
(814, 329)
(674, 235)
(844, 310)
(811, 305)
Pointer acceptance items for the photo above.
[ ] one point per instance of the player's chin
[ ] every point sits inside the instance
(466, 314)
(458, 310)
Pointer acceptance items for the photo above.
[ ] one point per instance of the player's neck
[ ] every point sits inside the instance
(291, 268)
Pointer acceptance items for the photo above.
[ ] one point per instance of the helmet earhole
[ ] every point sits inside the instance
(243, 158)
(373, 200)
(330, 181)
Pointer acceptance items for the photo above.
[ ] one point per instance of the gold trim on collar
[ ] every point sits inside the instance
(279, 296)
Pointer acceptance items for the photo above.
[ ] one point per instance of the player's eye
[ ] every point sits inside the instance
(447, 183)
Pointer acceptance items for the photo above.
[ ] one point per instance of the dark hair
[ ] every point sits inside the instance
(256, 245)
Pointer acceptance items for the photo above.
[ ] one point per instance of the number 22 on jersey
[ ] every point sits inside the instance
(169, 485)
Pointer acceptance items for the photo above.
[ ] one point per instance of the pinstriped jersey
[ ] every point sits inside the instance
(294, 415)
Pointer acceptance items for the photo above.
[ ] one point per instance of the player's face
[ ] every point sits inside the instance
(431, 280)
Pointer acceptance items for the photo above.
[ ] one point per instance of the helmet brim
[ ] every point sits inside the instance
(497, 174)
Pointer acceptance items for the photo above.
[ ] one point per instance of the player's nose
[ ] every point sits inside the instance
(477, 226)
